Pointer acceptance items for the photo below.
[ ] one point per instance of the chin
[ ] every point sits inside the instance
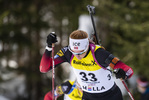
(79, 58)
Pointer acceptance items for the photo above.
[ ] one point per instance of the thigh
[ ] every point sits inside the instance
(87, 96)
(115, 95)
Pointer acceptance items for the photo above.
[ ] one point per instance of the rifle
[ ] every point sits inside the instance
(91, 10)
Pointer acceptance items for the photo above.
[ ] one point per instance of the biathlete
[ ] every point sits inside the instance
(70, 89)
(90, 64)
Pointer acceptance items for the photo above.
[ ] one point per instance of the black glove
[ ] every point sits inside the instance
(51, 38)
(120, 73)
(64, 89)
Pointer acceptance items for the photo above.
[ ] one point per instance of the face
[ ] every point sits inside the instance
(141, 89)
(79, 54)
(78, 47)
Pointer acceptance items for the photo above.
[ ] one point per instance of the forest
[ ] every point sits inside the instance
(122, 27)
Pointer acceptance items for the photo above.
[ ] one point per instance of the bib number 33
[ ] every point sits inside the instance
(88, 77)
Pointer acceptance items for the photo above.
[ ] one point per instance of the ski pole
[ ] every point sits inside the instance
(127, 89)
(91, 10)
(53, 71)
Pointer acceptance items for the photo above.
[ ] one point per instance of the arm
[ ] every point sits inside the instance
(128, 70)
(115, 63)
(46, 60)
(106, 59)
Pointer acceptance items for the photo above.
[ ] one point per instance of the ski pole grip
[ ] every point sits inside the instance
(91, 9)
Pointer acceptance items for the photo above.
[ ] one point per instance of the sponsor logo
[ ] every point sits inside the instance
(76, 43)
(92, 63)
(60, 53)
(89, 88)
(93, 88)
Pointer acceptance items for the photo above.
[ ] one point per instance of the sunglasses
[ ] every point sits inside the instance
(80, 53)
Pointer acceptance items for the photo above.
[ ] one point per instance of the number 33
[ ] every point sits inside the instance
(85, 76)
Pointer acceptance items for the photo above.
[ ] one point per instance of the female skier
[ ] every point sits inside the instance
(90, 64)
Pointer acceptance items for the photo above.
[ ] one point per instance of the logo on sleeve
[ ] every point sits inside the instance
(60, 53)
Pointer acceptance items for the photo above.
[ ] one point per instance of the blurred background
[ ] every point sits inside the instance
(122, 26)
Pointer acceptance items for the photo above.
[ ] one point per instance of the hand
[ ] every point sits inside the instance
(51, 38)
(120, 73)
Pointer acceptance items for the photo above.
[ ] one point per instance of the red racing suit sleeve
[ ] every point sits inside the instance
(115, 63)
(126, 68)
(46, 60)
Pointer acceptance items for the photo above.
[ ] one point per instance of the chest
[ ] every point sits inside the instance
(88, 63)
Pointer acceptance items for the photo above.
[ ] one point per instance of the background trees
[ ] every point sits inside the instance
(24, 25)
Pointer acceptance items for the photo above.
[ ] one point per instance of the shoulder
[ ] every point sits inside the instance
(63, 51)
(101, 55)
(96, 47)
(100, 49)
